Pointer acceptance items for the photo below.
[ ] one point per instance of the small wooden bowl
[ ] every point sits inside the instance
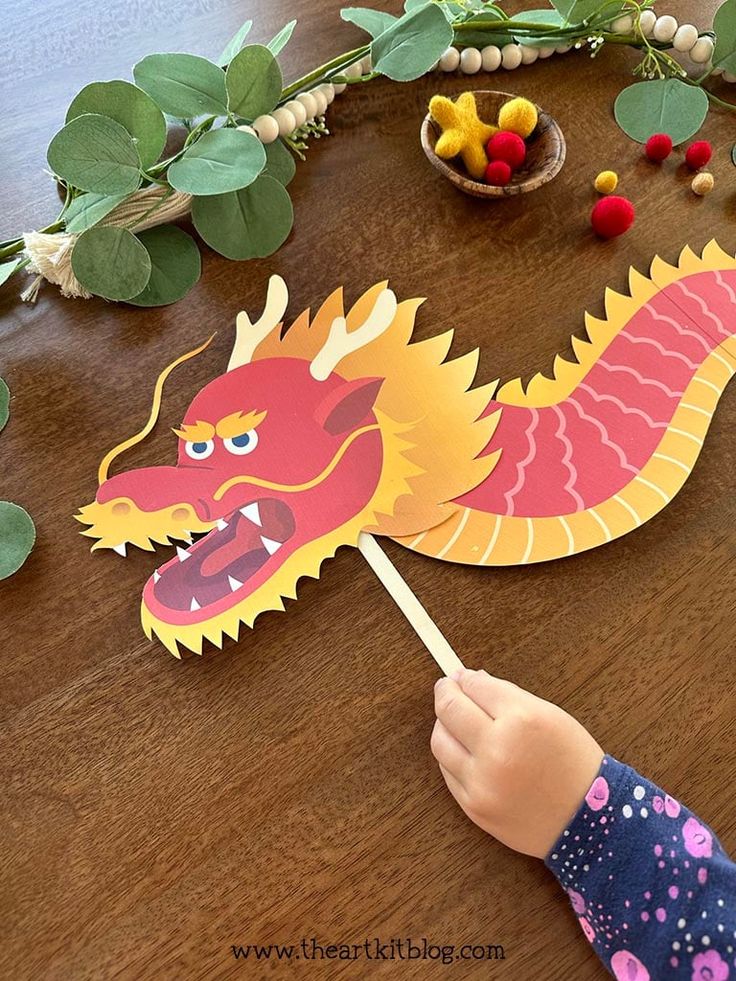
(545, 152)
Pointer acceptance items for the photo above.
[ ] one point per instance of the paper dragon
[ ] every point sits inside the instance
(341, 426)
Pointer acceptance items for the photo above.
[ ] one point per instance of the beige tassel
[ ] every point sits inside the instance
(51, 255)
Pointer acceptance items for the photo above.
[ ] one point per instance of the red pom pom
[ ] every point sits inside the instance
(658, 147)
(698, 154)
(498, 173)
(508, 147)
(612, 216)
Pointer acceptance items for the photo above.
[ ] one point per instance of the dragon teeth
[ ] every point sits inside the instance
(234, 583)
(252, 512)
(194, 605)
(182, 553)
(120, 549)
(221, 524)
(270, 545)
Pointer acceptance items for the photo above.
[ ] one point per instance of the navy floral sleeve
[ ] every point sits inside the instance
(651, 887)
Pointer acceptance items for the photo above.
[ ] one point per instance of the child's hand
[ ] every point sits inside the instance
(518, 766)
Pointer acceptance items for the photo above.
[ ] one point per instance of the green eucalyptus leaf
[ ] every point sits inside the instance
(246, 224)
(253, 82)
(724, 25)
(175, 266)
(17, 537)
(665, 105)
(480, 38)
(546, 16)
(184, 85)
(4, 404)
(95, 153)
(234, 44)
(111, 262)
(374, 22)
(277, 43)
(129, 106)
(450, 10)
(220, 161)
(280, 162)
(7, 269)
(90, 208)
(410, 47)
(576, 11)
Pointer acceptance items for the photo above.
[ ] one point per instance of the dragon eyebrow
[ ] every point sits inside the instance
(238, 423)
(197, 432)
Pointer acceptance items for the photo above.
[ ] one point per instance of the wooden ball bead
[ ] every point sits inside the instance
(267, 128)
(665, 28)
(309, 102)
(285, 120)
(511, 56)
(450, 60)
(470, 61)
(703, 183)
(491, 58)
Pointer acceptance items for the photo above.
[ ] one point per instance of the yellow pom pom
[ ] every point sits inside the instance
(518, 116)
(606, 182)
(703, 183)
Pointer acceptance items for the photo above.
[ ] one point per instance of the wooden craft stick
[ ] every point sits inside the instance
(394, 583)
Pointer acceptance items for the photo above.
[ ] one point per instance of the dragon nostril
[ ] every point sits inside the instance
(120, 507)
(181, 514)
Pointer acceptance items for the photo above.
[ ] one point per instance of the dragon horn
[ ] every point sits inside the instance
(249, 335)
(340, 343)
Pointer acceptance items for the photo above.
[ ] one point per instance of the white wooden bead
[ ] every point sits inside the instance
(511, 56)
(623, 25)
(546, 52)
(298, 111)
(562, 49)
(267, 128)
(491, 58)
(728, 77)
(328, 91)
(647, 21)
(245, 128)
(353, 71)
(285, 120)
(528, 54)
(339, 87)
(685, 37)
(717, 71)
(702, 50)
(321, 99)
(309, 102)
(366, 65)
(665, 28)
(470, 61)
(450, 60)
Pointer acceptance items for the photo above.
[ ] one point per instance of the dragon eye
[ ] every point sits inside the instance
(242, 444)
(199, 450)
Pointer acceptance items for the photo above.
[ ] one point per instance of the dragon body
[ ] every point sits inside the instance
(341, 425)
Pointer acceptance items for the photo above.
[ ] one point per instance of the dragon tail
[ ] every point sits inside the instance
(598, 449)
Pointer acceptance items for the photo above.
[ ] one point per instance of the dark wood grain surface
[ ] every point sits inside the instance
(155, 812)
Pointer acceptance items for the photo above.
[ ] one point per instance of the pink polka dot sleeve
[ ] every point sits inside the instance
(649, 883)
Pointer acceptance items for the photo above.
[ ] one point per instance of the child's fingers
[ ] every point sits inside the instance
(493, 695)
(460, 715)
(448, 752)
(455, 787)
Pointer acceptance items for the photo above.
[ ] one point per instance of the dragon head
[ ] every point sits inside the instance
(284, 458)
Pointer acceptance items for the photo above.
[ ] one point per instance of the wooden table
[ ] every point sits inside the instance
(156, 812)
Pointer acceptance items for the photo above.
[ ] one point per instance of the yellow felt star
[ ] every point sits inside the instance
(462, 132)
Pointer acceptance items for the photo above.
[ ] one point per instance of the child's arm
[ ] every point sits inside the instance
(651, 887)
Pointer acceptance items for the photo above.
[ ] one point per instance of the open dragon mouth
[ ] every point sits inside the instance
(221, 563)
